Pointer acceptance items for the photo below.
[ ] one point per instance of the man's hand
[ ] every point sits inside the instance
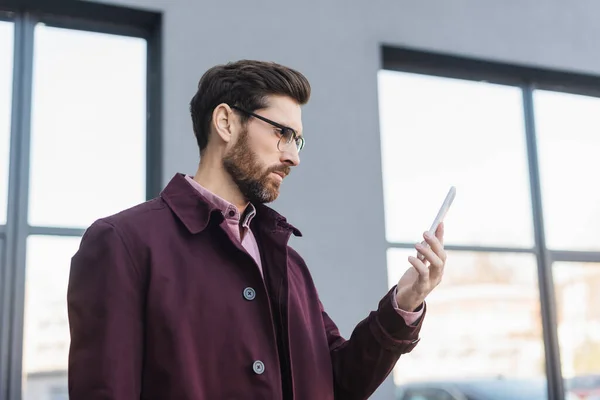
(426, 274)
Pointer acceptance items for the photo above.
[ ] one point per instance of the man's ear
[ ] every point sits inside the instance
(222, 122)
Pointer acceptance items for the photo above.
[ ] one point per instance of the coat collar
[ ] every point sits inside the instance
(267, 217)
(196, 212)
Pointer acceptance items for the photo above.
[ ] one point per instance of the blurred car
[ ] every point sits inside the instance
(585, 387)
(477, 389)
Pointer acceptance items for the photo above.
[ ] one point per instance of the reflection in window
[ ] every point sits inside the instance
(6, 69)
(59, 393)
(478, 389)
(52, 385)
(568, 128)
(428, 394)
(46, 337)
(578, 302)
(88, 143)
(496, 293)
(438, 132)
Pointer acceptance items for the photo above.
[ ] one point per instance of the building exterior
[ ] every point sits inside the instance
(498, 98)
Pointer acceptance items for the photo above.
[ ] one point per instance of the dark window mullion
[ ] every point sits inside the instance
(115, 15)
(575, 256)
(55, 231)
(73, 23)
(545, 279)
(7, 16)
(480, 249)
(154, 113)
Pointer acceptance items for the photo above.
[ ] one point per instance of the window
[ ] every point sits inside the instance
(88, 141)
(428, 394)
(438, 132)
(84, 144)
(521, 147)
(88, 126)
(46, 333)
(59, 393)
(488, 309)
(578, 300)
(568, 129)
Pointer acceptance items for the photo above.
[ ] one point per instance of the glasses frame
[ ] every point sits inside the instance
(299, 140)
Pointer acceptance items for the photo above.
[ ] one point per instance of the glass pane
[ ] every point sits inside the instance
(568, 129)
(438, 132)
(483, 322)
(6, 70)
(88, 146)
(578, 308)
(46, 337)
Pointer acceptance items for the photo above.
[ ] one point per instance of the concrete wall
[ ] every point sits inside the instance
(335, 197)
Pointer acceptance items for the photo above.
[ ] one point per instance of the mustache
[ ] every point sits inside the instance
(285, 169)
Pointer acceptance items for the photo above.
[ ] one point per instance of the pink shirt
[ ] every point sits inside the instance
(241, 230)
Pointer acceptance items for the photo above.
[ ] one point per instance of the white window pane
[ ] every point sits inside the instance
(6, 72)
(438, 132)
(568, 129)
(578, 313)
(46, 336)
(483, 320)
(88, 146)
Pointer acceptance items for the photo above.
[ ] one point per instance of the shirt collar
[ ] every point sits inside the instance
(228, 210)
(195, 211)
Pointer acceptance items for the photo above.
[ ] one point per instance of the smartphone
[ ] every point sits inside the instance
(441, 214)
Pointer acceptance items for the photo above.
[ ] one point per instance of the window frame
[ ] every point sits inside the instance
(76, 15)
(528, 79)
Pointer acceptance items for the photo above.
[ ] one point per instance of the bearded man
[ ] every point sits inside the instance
(196, 294)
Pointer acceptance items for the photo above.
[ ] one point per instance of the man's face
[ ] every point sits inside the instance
(254, 161)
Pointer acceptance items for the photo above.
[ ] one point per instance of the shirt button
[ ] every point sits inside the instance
(258, 367)
(249, 294)
(231, 213)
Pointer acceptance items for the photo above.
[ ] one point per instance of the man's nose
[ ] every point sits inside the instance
(290, 157)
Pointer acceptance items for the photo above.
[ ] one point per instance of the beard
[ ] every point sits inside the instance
(250, 175)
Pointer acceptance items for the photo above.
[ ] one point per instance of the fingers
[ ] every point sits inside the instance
(420, 267)
(439, 233)
(432, 251)
(429, 256)
(428, 264)
(419, 255)
(436, 245)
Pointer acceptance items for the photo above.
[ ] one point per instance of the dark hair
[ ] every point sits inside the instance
(246, 84)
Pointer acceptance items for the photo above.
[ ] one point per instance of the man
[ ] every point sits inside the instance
(196, 294)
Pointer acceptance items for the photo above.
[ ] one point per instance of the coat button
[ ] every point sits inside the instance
(258, 367)
(249, 294)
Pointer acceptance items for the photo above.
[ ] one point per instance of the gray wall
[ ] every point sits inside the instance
(335, 197)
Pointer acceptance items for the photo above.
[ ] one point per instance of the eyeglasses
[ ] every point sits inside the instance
(287, 135)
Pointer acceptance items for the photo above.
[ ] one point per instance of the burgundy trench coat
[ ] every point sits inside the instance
(164, 303)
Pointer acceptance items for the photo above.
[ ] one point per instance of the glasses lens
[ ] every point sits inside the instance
(299, 143)
(288, 138)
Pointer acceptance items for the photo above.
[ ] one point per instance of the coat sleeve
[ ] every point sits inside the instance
(105, 308)
(363, 362)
